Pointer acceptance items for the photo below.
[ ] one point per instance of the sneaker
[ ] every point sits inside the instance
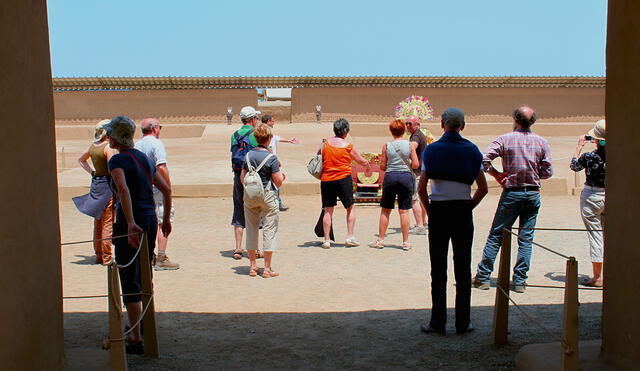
(284, 207)
(480, 285)
(520, 289)
(467, 330)
(163, 263)
(351, 242)
(420, 231)
(326, 245)
(427, 329)
(413, 228)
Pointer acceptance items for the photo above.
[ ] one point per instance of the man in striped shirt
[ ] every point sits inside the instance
(526, 159)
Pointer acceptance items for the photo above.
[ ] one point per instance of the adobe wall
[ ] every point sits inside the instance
(479, 104)
(189, 104)
(621, 322)
(31, 324)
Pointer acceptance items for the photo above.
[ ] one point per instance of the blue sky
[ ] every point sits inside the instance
(304, 38)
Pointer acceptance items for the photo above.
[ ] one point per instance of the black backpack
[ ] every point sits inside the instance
(239, 149)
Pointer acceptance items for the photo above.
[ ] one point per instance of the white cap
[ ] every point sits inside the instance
(248, 112)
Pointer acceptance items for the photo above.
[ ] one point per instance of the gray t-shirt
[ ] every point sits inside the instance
(396, 158)
(272, 165)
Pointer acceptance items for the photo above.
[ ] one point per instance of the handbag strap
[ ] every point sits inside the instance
(397, 151)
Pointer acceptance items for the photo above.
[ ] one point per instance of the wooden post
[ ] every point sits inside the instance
(570, 349)
(149, 320)
(501, 309)
(117, 356)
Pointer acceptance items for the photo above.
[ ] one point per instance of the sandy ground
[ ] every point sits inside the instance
(193, 160)
(343, 308)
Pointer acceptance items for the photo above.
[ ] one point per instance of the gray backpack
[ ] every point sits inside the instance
(253, 189)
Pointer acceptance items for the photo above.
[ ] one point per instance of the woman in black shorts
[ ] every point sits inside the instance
(336, 181)
(398, 158)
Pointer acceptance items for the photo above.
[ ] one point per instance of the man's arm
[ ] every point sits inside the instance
(165, 188)
(545, 169)
(292, 140)
(163, 169)
(422, 190)
(482, 189)
(494, 150)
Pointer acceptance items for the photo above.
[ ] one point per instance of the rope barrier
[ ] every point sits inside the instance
(559, 229)
(103, 296)
(144, 312)
(549, 332)
(100, 239)
(537, 244)
(113, 261)
(562, 287)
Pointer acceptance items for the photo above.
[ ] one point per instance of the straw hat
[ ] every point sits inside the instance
(99, 132)
(598, 131)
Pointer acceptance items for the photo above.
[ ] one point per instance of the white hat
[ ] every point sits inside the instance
(248, 112)
(598, 131)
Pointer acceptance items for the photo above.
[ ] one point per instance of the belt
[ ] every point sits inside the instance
(523, 189)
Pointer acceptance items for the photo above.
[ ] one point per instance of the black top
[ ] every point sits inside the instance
(452, 157)
(594, 166)
(138, 172)
(418, 137)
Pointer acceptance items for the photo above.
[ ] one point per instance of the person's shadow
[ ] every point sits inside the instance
(228, 253)
(242, 270)
(318, 244)
(561, 277)
(85, 260)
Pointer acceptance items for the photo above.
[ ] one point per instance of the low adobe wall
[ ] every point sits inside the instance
(479, 104)
(197, 104)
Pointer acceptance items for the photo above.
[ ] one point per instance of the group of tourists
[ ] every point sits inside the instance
(131, 182)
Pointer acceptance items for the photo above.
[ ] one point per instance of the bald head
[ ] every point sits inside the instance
(413, 123)
(524, 116)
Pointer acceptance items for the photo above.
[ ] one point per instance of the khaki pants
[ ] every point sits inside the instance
(103, 228)
(592, 210)
(267, 209)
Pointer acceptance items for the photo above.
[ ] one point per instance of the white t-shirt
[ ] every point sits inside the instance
(273, 145)
(152, 147)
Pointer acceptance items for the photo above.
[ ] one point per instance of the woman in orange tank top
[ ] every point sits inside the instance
(336, 180)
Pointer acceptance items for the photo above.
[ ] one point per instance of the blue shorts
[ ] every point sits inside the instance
(397, 184)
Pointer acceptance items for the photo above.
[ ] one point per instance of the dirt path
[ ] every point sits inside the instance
(355, 308)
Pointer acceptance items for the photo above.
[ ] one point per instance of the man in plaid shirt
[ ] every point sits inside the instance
(526, 159)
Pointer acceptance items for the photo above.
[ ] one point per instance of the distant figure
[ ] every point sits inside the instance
(152, 146)
(273, 147)
(526, 159)
(336, 181)
(398, 158)
(453, 164)
(417, 136)
(98, 203)
(592, 197)
(242, 141)
(264, 207)
(134, 175)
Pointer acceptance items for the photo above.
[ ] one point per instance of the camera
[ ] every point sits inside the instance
(588, 137)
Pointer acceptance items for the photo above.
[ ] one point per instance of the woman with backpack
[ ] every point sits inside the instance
(398, 159)
(261, 176)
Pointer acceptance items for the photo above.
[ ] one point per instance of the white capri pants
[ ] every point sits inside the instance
(268, 210)
(592, 211)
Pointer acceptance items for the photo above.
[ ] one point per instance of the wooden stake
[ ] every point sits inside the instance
(117, 356)
(501, 309)
(570, 335)
(150, 336)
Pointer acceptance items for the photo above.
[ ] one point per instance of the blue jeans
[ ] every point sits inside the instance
(512, 205)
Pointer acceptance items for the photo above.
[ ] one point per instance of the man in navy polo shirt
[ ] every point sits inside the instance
(453, 164)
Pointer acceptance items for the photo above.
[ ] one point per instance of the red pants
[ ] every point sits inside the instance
(103, 228)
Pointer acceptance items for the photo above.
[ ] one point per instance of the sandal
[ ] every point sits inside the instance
(253, 272)
(377, 244)
(406, 246)
(259, 255)
(592, 283)
(268, 273)
(134, 347)
(237, 255)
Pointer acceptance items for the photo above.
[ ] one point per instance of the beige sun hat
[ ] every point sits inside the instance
(99, 132)
(598, 131)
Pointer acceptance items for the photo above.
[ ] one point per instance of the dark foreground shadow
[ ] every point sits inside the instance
(388, 339)
(561, 277)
